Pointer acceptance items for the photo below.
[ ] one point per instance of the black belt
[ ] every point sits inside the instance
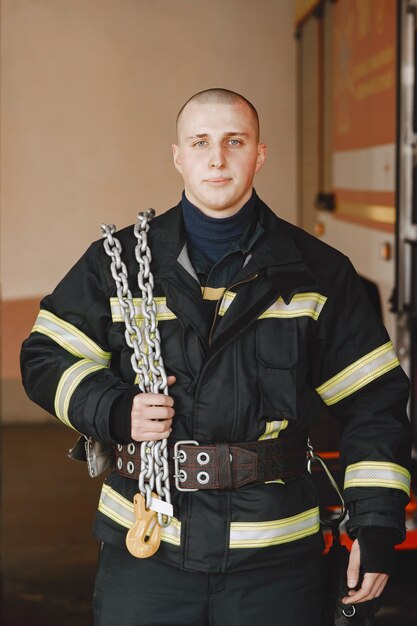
(223, 465)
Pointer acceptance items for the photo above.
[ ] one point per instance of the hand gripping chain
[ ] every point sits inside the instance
(146, 358)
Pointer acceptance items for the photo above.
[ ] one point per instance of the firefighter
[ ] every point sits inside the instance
(260, 324)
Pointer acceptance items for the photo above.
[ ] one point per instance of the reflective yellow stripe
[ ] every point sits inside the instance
(359, 374)
(121, 511)
(301, 305)
(162, 311)
(272, 429)
(212, 293)
(70, 338)
(275, 532)
(227, 300)
(377, 474)
(68, 383)
(306, 304)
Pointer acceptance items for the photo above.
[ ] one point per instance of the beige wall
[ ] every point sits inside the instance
(90, 90)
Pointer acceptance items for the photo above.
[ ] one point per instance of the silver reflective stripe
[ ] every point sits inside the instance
(275, 532)
(70, 338)
(301, 305)
(359, 374)
(68, 383)
(227, 300)
(162, 311)
(273, 429)
(377, 474)
(121, 511)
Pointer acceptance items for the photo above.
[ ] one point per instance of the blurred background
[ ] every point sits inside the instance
(89, 94)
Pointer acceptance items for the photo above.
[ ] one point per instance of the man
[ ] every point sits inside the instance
(260, 324)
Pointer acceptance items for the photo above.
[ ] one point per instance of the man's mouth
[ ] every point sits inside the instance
(217, 181)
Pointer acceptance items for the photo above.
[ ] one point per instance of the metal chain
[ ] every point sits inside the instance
(146, 358)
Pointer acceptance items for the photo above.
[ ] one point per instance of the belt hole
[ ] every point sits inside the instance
(203, 478)
(130, 467)
(203, 458)
(182, 475)
(119, 463)
(131, 448)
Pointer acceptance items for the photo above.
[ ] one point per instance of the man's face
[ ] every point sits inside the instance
(218, 155)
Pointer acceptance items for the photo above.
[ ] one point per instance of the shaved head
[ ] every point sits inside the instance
(217, 95)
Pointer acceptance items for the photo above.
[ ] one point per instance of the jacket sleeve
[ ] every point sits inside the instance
(356, 372)
(66, 360)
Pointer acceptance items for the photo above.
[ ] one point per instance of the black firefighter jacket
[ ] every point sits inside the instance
(294, 330)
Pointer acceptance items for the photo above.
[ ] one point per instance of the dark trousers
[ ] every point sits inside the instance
(145, 592)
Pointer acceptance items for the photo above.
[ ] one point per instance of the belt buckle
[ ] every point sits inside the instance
(177, 460)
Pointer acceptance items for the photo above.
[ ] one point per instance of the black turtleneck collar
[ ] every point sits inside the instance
(213, 236)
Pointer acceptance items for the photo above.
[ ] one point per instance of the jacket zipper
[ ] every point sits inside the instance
(240, 282)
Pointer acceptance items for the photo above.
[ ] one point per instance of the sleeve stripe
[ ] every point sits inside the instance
(359, 374)
(70, 338)
(68, 383)
(377, 474)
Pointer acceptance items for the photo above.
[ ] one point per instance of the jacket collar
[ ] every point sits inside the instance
(275, 247)
(275, 258)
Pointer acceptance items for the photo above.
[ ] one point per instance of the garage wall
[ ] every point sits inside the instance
(89, 95)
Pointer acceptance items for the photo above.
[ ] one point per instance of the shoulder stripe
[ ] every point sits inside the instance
(162, 311)
(377, 474)
(359, 374)
(70, 338)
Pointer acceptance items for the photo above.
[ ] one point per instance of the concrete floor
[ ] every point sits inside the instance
(48, 553)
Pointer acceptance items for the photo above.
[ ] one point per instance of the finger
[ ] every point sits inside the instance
(353, 565)
(171, 380)
(142, 428)
(152, 399)
(162, 430)
(156, 426)
(156, 413)
(151, 435)
(367, 590)
(381, 585)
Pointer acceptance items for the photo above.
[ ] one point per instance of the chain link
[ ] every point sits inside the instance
(146, 358)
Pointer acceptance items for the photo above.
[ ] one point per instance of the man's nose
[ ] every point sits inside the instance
(216, 157)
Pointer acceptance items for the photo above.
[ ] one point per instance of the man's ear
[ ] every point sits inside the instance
(176, 155)
(261, 156)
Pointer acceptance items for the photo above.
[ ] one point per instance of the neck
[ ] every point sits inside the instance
(213, 236)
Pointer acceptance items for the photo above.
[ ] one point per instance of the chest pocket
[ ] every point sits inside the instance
(277, 356)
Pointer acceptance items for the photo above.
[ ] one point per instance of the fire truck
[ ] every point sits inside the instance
(357, 172)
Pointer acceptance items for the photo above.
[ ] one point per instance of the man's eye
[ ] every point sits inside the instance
(235, 142)
(200, 144)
